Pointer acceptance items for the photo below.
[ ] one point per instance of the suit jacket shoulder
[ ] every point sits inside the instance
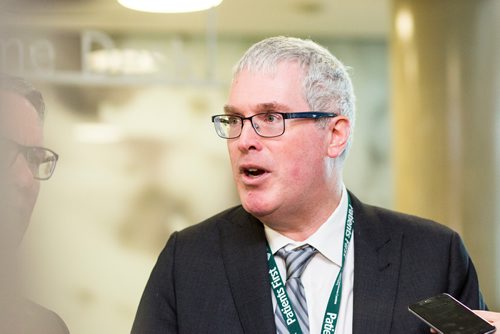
(401, 259)
(210, 278)
(211, 226)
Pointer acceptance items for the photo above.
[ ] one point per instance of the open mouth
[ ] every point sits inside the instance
(252, 171)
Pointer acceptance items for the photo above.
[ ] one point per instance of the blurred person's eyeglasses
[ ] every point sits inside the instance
(268, 124)
(41, 161)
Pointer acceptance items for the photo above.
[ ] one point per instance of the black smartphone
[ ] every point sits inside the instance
(448, 316)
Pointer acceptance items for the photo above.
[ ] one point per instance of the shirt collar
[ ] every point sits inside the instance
(328, 239)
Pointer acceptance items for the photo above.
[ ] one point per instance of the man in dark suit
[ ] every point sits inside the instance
(301, 254)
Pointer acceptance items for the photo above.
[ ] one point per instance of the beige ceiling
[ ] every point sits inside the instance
(338, 18)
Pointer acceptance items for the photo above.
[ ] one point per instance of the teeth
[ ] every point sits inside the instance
(253, 171)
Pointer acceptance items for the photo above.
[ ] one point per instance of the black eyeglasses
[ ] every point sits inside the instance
(41, 161)
(268, 124)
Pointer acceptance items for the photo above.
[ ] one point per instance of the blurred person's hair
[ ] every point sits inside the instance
(326, 83)
(25, 89)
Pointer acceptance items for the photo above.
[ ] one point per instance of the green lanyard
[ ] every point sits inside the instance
(332, 309)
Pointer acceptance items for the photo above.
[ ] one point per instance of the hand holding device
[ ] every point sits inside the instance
(447, 315)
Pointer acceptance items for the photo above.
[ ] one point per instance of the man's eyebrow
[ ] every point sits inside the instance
(228, 109)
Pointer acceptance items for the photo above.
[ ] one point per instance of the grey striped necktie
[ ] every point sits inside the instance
(296, 261)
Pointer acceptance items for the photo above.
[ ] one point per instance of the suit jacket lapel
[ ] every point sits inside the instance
(376, 271)
(244, 255)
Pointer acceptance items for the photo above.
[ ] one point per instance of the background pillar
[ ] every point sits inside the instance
(445, 107)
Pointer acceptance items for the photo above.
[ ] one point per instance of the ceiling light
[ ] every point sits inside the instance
(404, 24)
(169, 6)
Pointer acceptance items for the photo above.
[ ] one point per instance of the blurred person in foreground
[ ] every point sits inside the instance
(301, 254)
(24, 163)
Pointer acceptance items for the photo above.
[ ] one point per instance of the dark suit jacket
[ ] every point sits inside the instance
(212, 277)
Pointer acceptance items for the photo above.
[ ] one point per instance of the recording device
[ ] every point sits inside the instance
(448, 316)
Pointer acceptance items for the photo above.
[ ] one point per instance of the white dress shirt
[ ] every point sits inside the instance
(320, 274)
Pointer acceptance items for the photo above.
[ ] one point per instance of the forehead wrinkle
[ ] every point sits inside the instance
(272, 106)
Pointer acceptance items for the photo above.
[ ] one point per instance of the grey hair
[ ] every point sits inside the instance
(326, 87)
(25, 89)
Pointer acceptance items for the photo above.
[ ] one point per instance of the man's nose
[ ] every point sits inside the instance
(248, 139)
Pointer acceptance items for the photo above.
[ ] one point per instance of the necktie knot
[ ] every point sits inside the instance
(296, 259)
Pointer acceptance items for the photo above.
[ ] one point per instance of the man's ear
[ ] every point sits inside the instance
(339, 129)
